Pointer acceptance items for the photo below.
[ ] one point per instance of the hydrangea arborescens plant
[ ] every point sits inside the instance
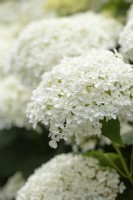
(13, 100)
(59, 179)
(44, 43)
(82, 92)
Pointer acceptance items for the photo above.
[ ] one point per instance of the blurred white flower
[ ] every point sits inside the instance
(13, 100)
(43, 44)
(72, 177)
(22, 11)
(80, 92)
(126, 128)
(9, 191)
(8, 34)
(126, 41)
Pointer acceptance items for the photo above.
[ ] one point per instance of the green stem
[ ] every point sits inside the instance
(115, 167)
(123, 163)
(131, 163)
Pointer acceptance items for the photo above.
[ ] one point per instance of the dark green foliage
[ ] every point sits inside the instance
(106, 159)
(117, 7)
(111, 130)
(128, 193)
(22, 150)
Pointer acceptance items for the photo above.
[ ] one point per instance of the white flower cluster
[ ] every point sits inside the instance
(9, 191)
(13, 100)
(8, 34)
(72, 177)
(5, 46)
(21, 11)
(44, 43)
(80, 92)
(126, 41)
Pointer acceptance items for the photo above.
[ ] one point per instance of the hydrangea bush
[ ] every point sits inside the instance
(72, 78)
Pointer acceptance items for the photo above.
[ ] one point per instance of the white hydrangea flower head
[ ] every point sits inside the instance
(126, 41)
(4, 48)
(22, 11)
(44, 43)
(13, 100)
(130, 13)
(59, 179)
(80, 92)
(8, 34)
(9, 191)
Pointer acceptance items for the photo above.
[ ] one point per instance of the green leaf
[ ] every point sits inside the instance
(118, 8)
(7, 137)
(111, 130)
(22, 150)
(127, 138)
(106, 159)
(100, 156)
